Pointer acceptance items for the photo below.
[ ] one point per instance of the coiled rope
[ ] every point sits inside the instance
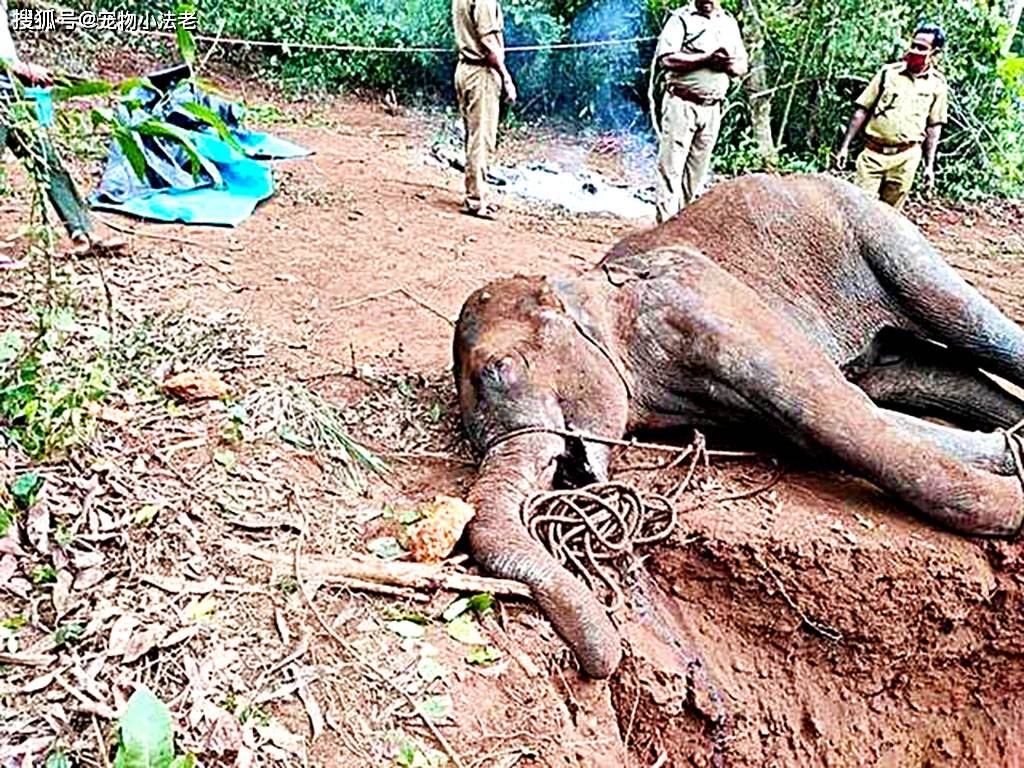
(594, 531)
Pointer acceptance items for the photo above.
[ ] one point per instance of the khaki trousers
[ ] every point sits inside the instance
(888, 177)
(479, 93)
(688, 135)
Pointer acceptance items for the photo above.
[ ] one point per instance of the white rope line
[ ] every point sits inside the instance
(399, 49)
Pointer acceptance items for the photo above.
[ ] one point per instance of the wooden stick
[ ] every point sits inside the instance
(398, 574)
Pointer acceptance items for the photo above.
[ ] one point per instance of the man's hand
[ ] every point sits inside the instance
(719, 59)
(842, 156)
(33, 73)
(929, 179)
(509, 86)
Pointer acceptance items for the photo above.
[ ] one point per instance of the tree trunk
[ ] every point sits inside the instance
(1014, 8)
(756, 86)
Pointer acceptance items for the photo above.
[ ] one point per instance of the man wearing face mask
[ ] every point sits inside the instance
(699, 50)
(904, 107)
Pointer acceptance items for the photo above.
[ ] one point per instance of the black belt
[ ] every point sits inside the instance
(474, 62)
(889, 149)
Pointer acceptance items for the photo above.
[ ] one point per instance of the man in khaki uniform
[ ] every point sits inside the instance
(904, 105)
(699, 50)
(480, 78)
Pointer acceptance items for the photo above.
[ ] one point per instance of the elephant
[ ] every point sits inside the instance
(791, 304)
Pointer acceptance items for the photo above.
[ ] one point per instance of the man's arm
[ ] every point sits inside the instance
(738, 63)
(687, 62)
(495, 56)
(860, 116)
(9, 55)
(931, 146)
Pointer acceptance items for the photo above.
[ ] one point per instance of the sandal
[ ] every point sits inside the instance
(483, 212)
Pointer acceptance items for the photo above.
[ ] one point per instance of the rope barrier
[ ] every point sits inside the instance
(340, 47)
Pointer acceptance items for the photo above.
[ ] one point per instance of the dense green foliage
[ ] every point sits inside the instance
(817, 55)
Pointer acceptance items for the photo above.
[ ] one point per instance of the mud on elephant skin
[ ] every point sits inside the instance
(793, 304)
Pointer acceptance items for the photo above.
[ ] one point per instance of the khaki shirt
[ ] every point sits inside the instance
(473, 19)
(902, 106)
(686, 31)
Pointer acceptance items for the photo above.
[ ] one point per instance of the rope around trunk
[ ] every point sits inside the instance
(593, 531)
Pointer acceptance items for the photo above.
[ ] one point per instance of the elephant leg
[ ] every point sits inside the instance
(989, 451)
(762, 357)
(916, 376)
(939, 300)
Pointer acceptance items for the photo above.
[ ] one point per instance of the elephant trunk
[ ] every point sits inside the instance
(509, 474)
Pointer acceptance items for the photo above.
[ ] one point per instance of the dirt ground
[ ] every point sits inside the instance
(816, 623)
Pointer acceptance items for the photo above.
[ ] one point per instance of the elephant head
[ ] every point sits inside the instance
(506, 383)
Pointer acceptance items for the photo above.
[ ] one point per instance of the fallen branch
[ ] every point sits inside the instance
(397, 574)
(27, 659)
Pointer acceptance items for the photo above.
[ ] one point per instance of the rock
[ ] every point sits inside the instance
(199, 384)
(434, 537)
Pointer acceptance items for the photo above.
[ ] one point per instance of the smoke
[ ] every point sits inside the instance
(614, 77)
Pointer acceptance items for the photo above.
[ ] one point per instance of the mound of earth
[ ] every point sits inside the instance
(819, 624)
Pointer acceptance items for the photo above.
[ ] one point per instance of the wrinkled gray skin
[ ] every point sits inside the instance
(795, 305)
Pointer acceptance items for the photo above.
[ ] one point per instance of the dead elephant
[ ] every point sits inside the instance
(794, 304)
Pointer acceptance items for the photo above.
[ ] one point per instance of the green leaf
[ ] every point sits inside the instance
(457, 608)
(184, 761)
(25, 489)
(385, 547)
(83, 88)
(410, 516)
(129, 84)
(160, 129)
(406, 628)
(58, 758)
(131, 150)
(11, 345)
(483, 655)
(437, 707)
(430, 669)
(145, 514)
(147, 734)
(186, 45)
(482, 604)
(465, 629)
(101, 116)
(227, 459)
(212, 119)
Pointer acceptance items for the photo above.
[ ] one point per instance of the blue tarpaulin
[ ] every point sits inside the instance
(229, 183)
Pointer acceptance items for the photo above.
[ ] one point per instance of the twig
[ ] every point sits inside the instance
(632, 716)
(154, 236)
(813, 626)
(381, 589)
(101, 744)
(399, 574)
(400, 291)
(352, 652)
(27, 659)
